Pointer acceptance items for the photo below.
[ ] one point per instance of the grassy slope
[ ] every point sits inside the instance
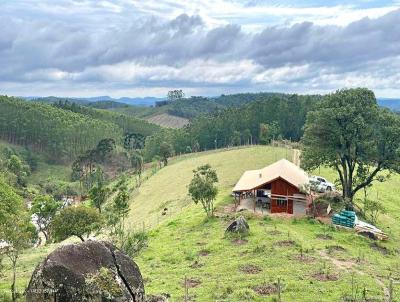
(168, 188)
(179, 241)
(183, 234)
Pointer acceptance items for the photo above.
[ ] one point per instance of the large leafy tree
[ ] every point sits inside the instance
(166, 151)
(104, 149)
(16, 229)
(78, 221)
(44, 207)
(202, 188)
(175, 95)
(351, 134)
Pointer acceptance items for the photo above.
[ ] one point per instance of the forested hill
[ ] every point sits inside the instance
(127, 123)
(196, 106)
(58, 133)
(257, 122)
(62, 134)
(107, 105)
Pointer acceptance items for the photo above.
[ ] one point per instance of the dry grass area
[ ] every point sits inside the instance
(168, 121)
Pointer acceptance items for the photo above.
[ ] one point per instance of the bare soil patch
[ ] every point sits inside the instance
(324, 236)
(325, 277)
(204, 253)
(250, 269)
(265, 289)
(191, 282)
(228, 209)
(239, 241)
(382, 249)
(168, 121)
(284, 243)
(303, 258)
(339, 263)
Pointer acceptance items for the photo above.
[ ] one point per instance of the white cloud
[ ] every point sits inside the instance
(205, 47)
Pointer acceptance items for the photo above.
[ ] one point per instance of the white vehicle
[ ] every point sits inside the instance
(320, 184)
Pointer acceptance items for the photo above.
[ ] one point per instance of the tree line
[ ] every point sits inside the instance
(64, 131)
(258, 122)
(60, 134)
(126, 123)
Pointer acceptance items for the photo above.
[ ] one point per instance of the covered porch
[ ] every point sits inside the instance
(276, 188)
(260, 203)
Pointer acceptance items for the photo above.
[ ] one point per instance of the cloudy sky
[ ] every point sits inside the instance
(147, 47)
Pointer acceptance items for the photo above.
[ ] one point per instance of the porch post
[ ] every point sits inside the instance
(254, 200)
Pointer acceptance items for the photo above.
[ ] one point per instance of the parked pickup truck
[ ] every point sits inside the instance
(321, 185)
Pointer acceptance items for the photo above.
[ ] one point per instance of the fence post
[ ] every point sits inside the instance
(390, 289)
(186, 290)
(279, 289)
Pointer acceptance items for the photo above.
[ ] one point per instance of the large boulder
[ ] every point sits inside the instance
(239, 225)
(88, 271)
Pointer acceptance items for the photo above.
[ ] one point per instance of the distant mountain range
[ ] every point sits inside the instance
(391, 103)
(144, 101)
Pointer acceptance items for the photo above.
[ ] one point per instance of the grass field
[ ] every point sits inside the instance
(184, 244)
(168, 188)
(219, 269)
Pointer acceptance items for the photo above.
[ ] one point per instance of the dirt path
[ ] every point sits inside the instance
(296, 157)
(349, 266)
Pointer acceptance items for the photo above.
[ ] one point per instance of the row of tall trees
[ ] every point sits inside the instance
(255, 123)
(127, 123)
(61, 134)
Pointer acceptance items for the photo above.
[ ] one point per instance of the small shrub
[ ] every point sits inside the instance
(330, 198)
(259, 249)
(190, 256)
(245, 295)
(267, 218)
(134, 242)
(372, 210)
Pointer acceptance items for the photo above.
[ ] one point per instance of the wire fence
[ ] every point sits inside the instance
(164, 214)
(225, 288)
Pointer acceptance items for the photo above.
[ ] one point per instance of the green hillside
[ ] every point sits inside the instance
(127, 123)
(187, 245)
(182, 243)
(59, 134)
